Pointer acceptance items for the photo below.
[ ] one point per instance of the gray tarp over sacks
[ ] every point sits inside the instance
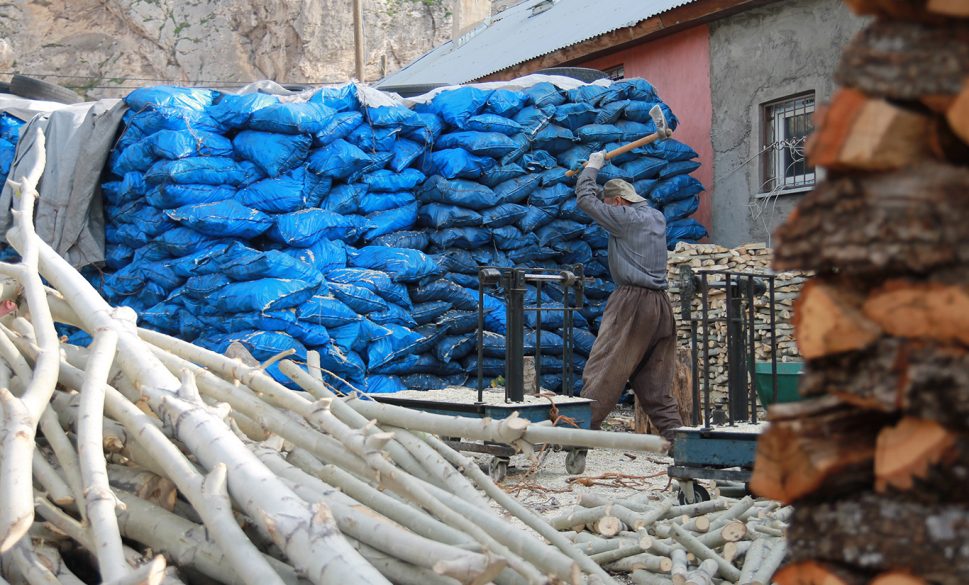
(79, 139)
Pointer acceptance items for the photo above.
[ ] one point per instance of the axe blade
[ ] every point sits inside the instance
(659, 120)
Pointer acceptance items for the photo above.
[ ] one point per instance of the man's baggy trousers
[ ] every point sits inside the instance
(636, 343)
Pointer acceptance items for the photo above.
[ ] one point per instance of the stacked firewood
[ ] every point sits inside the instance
(659, 543)
(877, 459)
(754, 258)
(143, 459)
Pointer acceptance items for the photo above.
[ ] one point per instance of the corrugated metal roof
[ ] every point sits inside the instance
(517, 35)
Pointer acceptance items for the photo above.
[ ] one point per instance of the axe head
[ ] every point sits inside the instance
(659, 120)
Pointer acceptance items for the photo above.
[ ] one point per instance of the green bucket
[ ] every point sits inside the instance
(788, 376)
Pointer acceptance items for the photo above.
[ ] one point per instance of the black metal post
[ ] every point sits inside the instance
(514, 340)
(751, 349)
(705, 291)
(538, 335)
(773, 344)
(480, 334)
(695, 363)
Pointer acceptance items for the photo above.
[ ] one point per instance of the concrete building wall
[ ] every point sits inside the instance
(758, 56)
(679, 67)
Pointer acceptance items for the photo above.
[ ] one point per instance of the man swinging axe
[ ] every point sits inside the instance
(637, 339)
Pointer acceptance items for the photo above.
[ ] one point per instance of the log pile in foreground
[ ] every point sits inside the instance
(159, 462)
(718, 541)
(876, 460)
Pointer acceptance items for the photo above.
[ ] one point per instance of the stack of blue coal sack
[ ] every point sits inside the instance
(348, 223)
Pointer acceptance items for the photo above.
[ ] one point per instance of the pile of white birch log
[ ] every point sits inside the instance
(718, 541)
(753, 258)
(159, 462)
(876, 459)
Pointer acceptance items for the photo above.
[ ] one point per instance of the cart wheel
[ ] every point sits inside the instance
(700, 493)
(498, 469)
(575, 461)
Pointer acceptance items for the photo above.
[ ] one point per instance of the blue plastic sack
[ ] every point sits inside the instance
(207, 170)
(505, 101)
(457, 192)
(671, 150)
(599, 133)
(491, 144)
(574, 116)
(554, 139)
(415, 240)
(201, 286)
(550, 343)
(544, 94)
(394, 116)
(376, 281)
(570, 210)
(499, 175)
(358, 298)
(371, 139)
(573, 252)
(146, 122)
(386, 181)
(222, 219)
(172, 145)
(636, 89)
(233, 111)
(304, 228)
(425, 382)
(468, 238)
(510, 237)
(428, 312)
(684, 230)
(433, 126)
(593, 94)
(339, 160)
(538, 160)
(505, 214)
(444, 290)
(455, 106)
(291, 118)
(535, 219)
(551, 196)
(441, 215)
(385, 385)
(346, 336)
(455, 163)
(644, 167)
(645, 186)
(274, 154)
(346, 364)
(326, 311)
(494, 123)
(261, 295)
(392, 220)
(393, 315)
(491, 367)
(240, 262)
(337, 127)
(400, 342)
(325, 255)
(454, 347)
(518, 189)
(297, 189)
(533, 119)
(456, 261)
(374, 202)
(175, 195)
(341, 98)
(675, 189)
(403, 265)
(683, 167)
(456, 322)
(166, 95)
(681, 209)
(405, 153)
(635, 130)
(612, 112)
(344, 199)
(559, 230)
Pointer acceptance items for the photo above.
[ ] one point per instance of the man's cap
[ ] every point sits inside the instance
(620, 188)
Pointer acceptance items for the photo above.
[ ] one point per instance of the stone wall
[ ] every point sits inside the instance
(112, 46)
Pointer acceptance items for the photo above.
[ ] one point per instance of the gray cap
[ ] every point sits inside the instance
(620, 188)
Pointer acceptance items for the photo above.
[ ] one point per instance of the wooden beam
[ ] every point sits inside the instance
(658, 26)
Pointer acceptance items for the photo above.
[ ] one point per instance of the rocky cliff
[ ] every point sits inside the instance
(107, 47)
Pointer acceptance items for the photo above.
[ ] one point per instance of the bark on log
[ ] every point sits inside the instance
(958, 115)
(880, 225)
(922, 310)
(861, 133)
(907, 60)
(923, 458)
(897, 578)
(815, 573)
(882, 534)
(921, 379)
(826, 454)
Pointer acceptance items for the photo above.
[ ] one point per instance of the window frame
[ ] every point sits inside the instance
(611, 71)
(774, 177)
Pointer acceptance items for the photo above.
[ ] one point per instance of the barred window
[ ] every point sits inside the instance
(615, 73)
(787, 125)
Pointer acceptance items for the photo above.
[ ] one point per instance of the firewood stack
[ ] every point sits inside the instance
(754, 258)
(877, 458)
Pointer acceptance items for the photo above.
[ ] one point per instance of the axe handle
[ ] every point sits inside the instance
(626, 148)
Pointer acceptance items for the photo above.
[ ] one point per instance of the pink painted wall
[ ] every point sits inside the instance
(679, 67)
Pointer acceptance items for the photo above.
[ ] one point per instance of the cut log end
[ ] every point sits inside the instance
(896, 578)
(907, 451)
(608, 526)
(814, 573)
(828, 320)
